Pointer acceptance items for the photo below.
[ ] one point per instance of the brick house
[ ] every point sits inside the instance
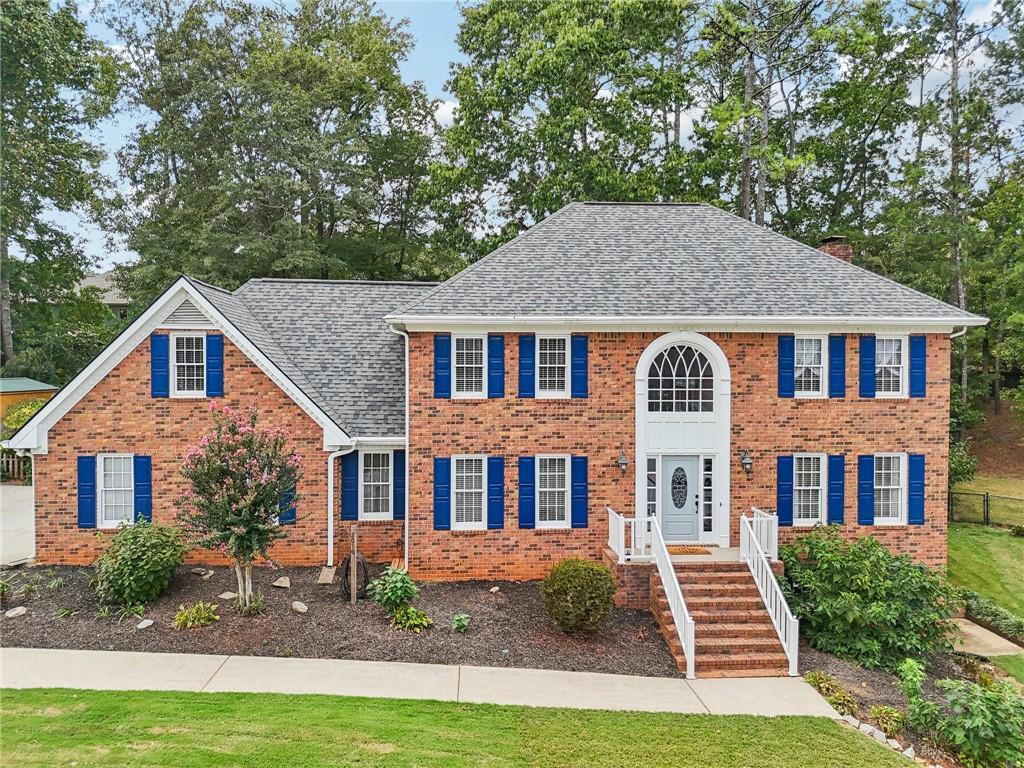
(613, 365)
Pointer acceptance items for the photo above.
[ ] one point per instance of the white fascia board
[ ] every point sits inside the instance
(33, 435)
(397, 441)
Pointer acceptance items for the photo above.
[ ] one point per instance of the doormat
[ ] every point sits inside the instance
(688, 550)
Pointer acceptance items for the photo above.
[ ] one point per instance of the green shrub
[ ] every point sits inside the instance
(393, 589)
(138, 565)
(578, 595)
(460, 623)
(890, 720)
(962, 463)
(410, 618)
(199, 615)
(840, 699)
(1017, 530)
(1005, 622)
(857, 600)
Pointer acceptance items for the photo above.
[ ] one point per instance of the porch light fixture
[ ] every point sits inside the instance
(747, 462)
(623, 462)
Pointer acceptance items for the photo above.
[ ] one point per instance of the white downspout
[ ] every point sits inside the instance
(408, 452)
(330, 501)
(958, 334)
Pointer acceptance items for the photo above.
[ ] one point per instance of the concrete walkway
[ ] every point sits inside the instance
(17, 524)
(984, 642)
(118, 671)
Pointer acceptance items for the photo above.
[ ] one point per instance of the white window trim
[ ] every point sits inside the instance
(822, 491)
(364, 515)
(566, 391)
(904, 495)
(482, 392)
(100, 523)
(548, 524)
(482, 525)
(904, 367)
(173, 365)
(823, 386)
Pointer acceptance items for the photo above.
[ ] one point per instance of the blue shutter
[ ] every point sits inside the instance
(142, 471)
(527, 492)
(580, 488)
(915, 484)
(442, 365)
(214, 365)
(836, 489)
(784, 489)
(496, 365)
(837, 365)
(350, 486)
(866, 490)
(787, 364)
(286, 516)
(398, 485)
(918, 366)
(160, 365)
(867, 366)
(527, 365)
(579, 366)
(496, 492)
(442, 494)
(86, 491)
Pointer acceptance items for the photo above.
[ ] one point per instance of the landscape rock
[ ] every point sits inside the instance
(284, 582)
(199, 571)
(145, 623)
(227, 596)
(879, 736)
(299, 607)
(14, 613)
(853, 721)
(494, 590)
(909, 752)
(866, 728)
(894, 744)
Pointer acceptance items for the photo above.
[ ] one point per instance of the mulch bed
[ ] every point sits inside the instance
(509, 628)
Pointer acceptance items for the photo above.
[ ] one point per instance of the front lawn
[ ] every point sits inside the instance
(1011, 665)
(988, 560)
(101, 728)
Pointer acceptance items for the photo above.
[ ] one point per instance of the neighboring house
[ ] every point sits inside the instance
(18, 388)
(671, 361)
(110, 295)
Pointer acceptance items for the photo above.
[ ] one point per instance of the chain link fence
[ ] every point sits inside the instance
(985, 508)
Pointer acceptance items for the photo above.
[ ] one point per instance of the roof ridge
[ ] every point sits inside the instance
(197, 281)
(354, 281)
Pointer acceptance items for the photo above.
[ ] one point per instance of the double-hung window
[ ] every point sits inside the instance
(115, 485)
(890, 366)
(469, 362)
(188, 372)
(375, 499)
(552, 366)
(808, 489)
(890, 489)
(469, 483)
(809, 379)
(552, 491)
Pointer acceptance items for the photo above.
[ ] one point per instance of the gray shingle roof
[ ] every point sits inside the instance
(678, 260)
(329, 337)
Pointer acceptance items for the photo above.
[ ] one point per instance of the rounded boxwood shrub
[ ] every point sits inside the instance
(578, 595)
(138, 565)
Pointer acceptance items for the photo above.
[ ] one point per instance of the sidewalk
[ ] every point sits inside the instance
(118, 671)
(984, 642)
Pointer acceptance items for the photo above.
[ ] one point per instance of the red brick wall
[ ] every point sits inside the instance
(119, 415)
(602, 426)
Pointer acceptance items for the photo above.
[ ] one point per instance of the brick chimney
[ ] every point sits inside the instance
(836, 245)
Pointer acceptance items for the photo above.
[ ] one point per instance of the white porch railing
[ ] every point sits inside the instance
(628, 537)
(766, 531)
(676, 604)
(751, 550)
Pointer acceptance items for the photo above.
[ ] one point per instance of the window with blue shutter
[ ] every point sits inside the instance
(784, 490)
(442, 365)
(527, 492)
(580, 491)
(350, 486)
(214, 365)
(495, 492)
(837, 365)
(866, 489)
(160, 365)
(287, 516)
(398, 486)
(142, 469)
(918, 366)
(495, 365)
(527, 365)
(787, 365)
(579, 366)
(867, 366)
(442, 494)
(915, 493)
(86, 491)
(836, 489)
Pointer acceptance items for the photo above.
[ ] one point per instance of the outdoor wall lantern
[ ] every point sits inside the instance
(747, 462)
(623, 462)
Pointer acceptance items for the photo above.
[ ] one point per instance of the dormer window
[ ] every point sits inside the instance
(188, 372)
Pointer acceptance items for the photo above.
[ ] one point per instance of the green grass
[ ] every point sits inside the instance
(987, 560)
(1007, 509)
(1000, 486)
(1012, 665)
(102, 728)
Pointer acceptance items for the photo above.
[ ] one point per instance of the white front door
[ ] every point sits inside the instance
(680, 496)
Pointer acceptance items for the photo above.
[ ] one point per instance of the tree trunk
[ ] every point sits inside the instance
(248, 584)
(7, 334)
(748, 97)
(241, 583)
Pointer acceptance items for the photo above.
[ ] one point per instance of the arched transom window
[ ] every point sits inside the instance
(681, 379)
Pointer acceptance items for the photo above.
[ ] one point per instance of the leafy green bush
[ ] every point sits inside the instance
(1003, 621)
(411, 618)
(1017, 531)
(578, 595)
(138, 565)
(199, 615)
(837, 696)
(983, 724)
(890, 720)
(857, 600)
(962, 463)
(460, 623)
(393, 589)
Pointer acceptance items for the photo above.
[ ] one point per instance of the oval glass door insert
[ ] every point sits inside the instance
(679, 487)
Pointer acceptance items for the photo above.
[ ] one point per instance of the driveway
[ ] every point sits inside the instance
(17, 524)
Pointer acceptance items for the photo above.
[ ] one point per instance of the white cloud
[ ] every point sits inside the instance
(445, 112)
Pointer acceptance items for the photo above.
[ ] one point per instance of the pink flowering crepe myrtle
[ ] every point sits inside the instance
(240, 477)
